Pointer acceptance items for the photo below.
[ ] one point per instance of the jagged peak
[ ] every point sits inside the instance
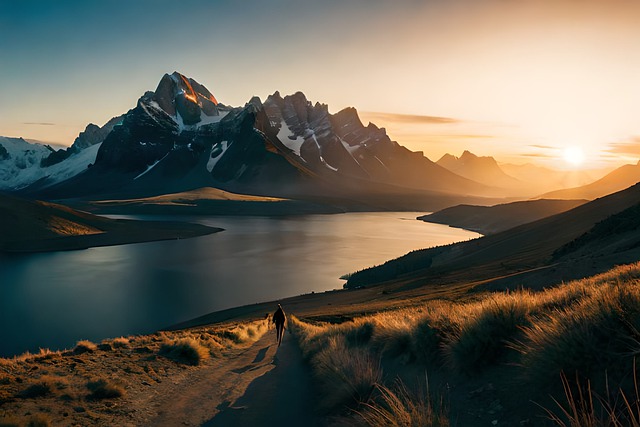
(447, 157)
(275, 95)
(179, 94)
(254, 102)
(468, 154)
(349, 113)
(298, 98)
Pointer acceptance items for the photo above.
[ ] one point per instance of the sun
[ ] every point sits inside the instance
(573, 155)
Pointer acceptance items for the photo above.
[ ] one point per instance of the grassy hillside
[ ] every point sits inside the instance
(519, 256)
(493, 219)
(498, 357)
(208, 201)
(118, 381)
(32, 225)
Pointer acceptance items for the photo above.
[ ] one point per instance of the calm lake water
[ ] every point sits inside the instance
(52, 300)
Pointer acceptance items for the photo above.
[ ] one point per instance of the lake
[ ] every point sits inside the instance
(52, 300)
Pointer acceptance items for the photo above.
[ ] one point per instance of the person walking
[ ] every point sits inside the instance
(279, 318)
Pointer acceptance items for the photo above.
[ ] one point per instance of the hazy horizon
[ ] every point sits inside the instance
(545, 82)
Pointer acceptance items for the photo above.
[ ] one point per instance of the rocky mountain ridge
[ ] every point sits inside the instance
(179, 138)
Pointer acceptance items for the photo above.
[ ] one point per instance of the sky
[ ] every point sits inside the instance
(554, 82)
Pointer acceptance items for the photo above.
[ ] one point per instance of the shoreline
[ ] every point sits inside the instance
(124, 233)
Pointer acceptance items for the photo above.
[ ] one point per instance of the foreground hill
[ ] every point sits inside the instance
(523, 255)
(492, 219)
(28, 225)
(617, 180)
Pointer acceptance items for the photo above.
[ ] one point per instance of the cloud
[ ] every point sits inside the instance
(453, 136)
(630, 147)
(39, 123)
(544, 147)
(411, 118)
(538, 155)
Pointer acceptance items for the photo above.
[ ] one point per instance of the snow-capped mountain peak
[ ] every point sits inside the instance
(21, 163)
(185, 99)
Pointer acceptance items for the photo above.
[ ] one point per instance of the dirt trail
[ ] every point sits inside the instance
(239, 389)
(282, 396)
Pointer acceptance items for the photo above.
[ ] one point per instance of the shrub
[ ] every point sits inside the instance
(84, 346)
(348, 376)
(185, 350)
(104, 389)
(120, 342)
(597, 335)
(359, 333)
(105, 346)
(427, 342)
(38, 420)
(483, 338)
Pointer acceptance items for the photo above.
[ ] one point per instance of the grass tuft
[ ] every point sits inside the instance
(84, 346)
(599, 334)
(400, 407)
(44, 386)
(101, 388)
(482, 339)
(120, 342)
(185, 350)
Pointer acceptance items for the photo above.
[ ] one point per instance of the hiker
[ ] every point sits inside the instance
(279, 318)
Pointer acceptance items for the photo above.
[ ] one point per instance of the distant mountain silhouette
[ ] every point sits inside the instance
(617, 180)
(492, 219)
(522, 256)
(540, 179)
(480, 169)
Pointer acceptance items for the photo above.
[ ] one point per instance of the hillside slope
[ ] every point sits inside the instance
(617, 180)
(519, 256)
(493, 219)
(28, 225)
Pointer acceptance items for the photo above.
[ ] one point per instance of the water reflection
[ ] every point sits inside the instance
(54, 299)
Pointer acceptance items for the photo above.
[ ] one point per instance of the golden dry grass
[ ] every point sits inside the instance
(101, 384)
(586, 328)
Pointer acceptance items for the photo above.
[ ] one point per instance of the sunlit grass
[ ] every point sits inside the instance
(587, 329)
(90, 379)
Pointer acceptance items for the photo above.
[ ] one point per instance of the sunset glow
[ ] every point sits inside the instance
(514, 80)
(573, 155)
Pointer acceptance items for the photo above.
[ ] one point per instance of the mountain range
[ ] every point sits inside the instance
(616, 180)
(179, 138)
(529, 180)
(481, 169)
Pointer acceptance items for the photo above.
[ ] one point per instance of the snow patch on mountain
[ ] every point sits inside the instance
(285, 136)
(22, 166)
(217, 151)
(207, 120)
(151, 166)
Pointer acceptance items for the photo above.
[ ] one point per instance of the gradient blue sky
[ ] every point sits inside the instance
(523, 79)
